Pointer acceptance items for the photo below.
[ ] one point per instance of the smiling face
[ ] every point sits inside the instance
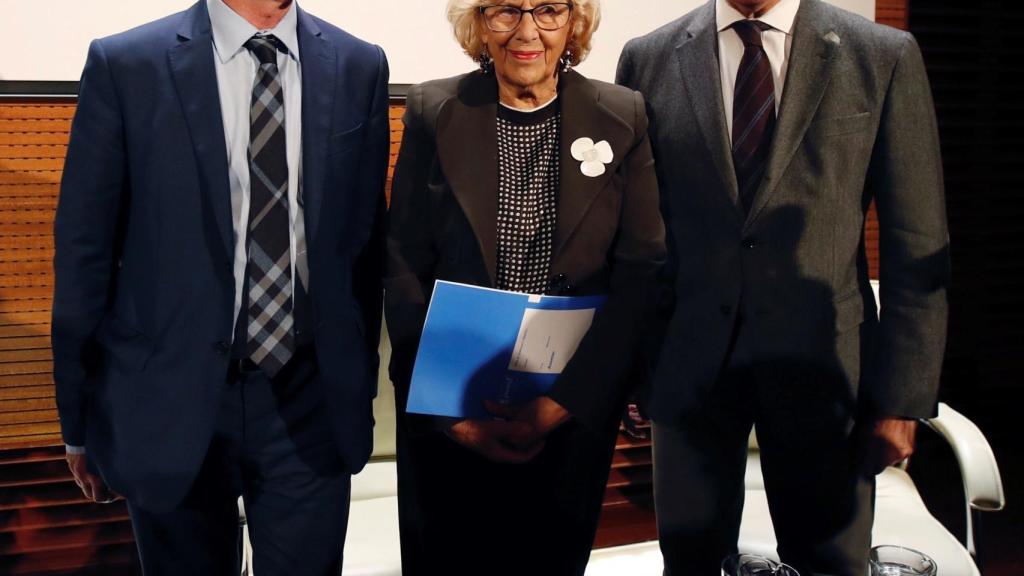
(526, 58)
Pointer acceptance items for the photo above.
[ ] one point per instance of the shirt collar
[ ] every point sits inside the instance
(781, 17)
(231, 31)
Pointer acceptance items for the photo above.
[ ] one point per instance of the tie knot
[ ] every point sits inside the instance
(265, 48)
(749, 31)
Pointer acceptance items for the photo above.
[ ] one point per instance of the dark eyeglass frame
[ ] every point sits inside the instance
(522, 11)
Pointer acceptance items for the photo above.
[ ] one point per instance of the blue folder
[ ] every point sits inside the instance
(467, 346)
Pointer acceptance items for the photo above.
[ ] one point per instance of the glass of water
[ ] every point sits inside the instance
(900, 561)
(752, 565)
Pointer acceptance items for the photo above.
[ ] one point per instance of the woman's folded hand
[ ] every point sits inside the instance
(517, 436)
(497, 440)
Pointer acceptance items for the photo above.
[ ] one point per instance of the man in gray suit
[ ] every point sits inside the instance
(775, 124)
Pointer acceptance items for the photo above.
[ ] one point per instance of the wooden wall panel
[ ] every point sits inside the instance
(395, 121)
(48, 527)
(33, 142)
(892, 13)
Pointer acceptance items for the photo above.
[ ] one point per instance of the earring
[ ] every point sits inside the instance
(486, 62)
(566, 61)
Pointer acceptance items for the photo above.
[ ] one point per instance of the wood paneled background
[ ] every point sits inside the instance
(46, 527)
(33, 141)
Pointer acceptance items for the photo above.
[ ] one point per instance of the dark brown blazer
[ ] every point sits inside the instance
(609, 236)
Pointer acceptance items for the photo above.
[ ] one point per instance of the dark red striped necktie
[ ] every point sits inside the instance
(753, 111)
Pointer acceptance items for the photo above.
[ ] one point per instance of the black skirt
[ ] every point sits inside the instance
(462, 514)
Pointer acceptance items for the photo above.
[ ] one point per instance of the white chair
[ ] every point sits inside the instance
(372, 545)
(901, 517)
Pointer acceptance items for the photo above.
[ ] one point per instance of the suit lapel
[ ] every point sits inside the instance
(195, 78)
(815, 46)
(583, 116)
(467, 148)
(702, 79)
(318, 91)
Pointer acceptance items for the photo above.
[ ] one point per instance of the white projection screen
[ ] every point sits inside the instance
(47, 40)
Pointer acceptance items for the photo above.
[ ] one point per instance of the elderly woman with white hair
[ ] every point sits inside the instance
(522, 176)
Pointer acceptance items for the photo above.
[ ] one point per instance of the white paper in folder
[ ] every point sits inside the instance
(548, 339)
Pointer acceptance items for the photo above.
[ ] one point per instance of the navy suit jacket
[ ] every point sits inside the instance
(144, 296)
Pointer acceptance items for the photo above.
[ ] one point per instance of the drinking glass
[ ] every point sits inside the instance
(753, 565)
(900, 561)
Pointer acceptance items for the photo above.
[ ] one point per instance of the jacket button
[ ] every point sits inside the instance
(222, 347)
(749, 243)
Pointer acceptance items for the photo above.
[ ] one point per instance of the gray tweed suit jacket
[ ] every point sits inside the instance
(856, 124)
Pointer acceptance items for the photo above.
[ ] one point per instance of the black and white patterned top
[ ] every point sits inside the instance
(528, 144)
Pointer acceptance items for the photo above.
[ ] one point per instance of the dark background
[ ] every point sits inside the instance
(974, 51)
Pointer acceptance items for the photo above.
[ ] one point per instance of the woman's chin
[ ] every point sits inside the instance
(528, 78)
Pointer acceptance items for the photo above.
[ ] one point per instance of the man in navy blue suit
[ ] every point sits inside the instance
(217, 299)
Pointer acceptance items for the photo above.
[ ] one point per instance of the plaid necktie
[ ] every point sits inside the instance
(269, 341)
(753, 112)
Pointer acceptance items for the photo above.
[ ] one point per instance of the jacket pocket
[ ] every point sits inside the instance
(127, 347)
(842, 125)
(344, 142)
(848, 311)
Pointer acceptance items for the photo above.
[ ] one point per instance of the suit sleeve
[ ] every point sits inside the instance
(906, 179)
(597, 378)
(86, 231)
(373, 175)
(411, 256)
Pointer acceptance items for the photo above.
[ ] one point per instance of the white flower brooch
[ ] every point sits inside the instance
(592, 156)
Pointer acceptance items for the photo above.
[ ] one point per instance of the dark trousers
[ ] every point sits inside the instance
(272, 446)
(805, 415)
(463, 515)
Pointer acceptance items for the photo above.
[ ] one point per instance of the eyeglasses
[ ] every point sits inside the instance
(507, 18)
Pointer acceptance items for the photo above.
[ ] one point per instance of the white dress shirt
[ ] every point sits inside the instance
(778, 41)
(236, 72)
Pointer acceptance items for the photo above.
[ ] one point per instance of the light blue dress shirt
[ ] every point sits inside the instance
(236, 72)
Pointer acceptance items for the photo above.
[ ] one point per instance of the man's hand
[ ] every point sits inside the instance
(890, 440)
(496, 440)
(92, 485)
(537, 417)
